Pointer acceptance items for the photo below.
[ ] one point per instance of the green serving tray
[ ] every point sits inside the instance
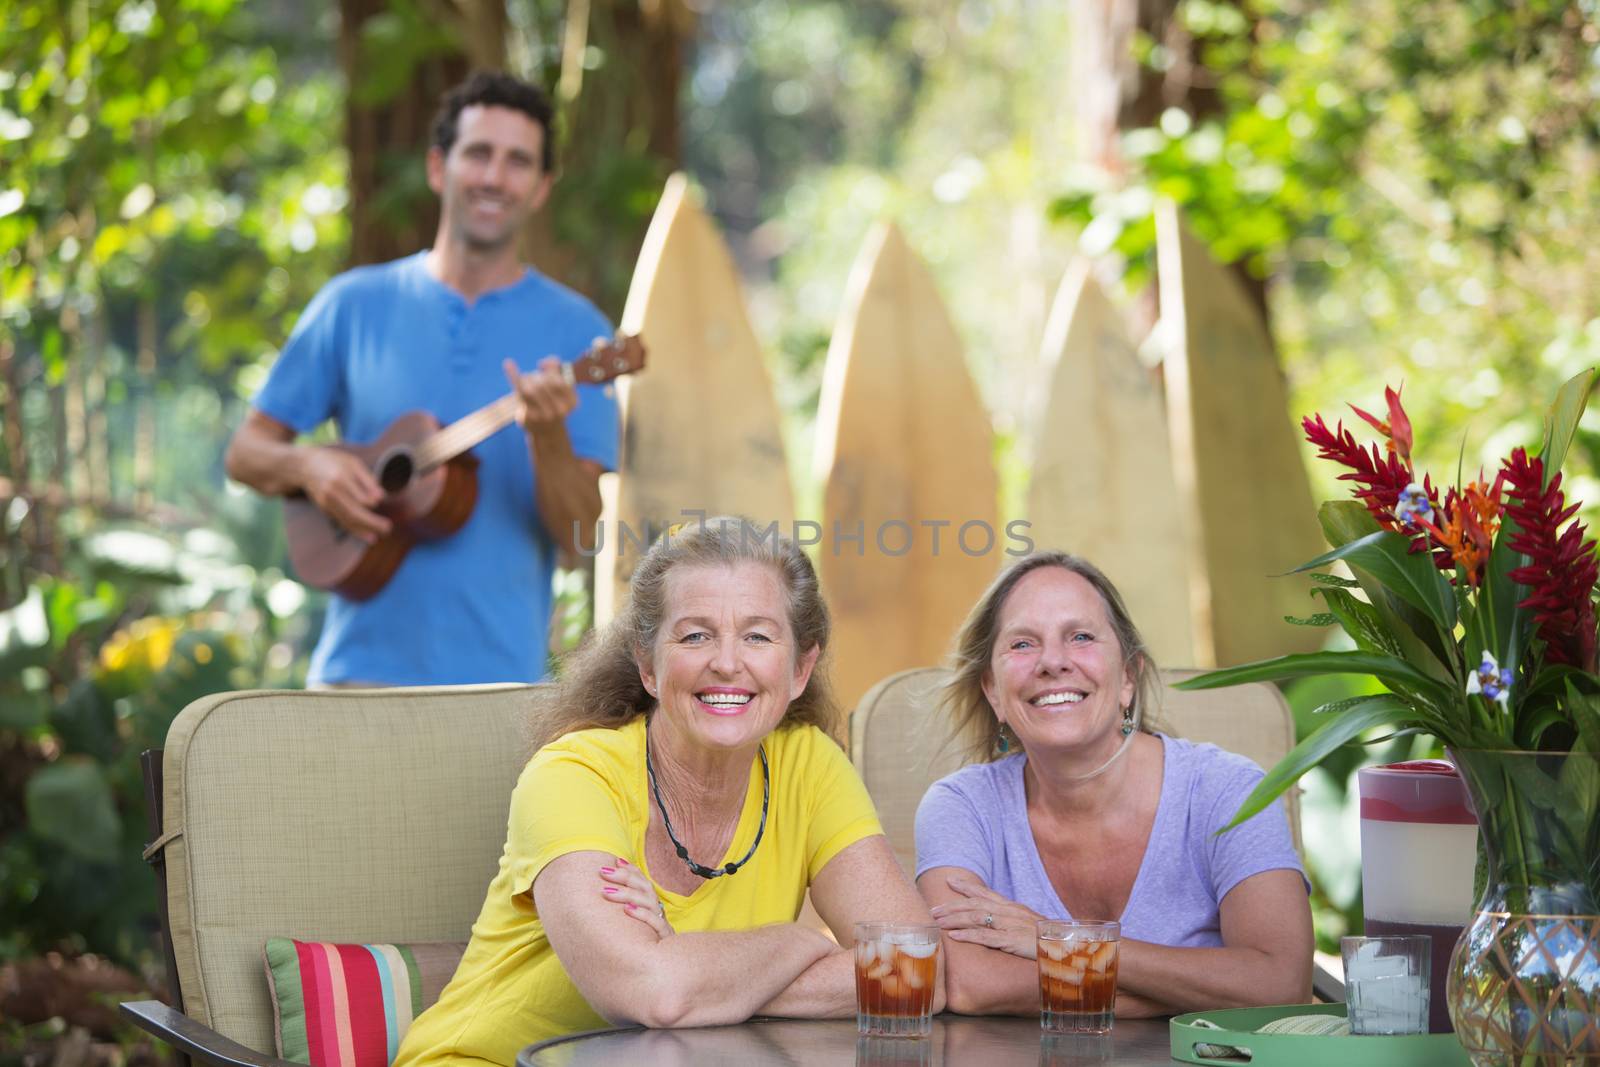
(1305, 1050)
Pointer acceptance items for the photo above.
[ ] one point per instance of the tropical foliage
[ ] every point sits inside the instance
(1476, 604)
(1417, 180)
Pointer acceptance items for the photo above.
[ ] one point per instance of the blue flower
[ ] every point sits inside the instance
(1491, 681)
(1413, 506)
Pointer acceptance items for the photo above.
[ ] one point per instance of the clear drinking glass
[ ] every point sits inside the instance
(1076, 1050)
(876, 1051)
(897, 965)
(1386, 983)
(1077, 975)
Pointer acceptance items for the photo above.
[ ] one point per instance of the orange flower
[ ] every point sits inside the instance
(1471, 520)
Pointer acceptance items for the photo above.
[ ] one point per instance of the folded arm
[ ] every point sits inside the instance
(1265, 957)
(863, 883)
(630, 974)
(981, 976)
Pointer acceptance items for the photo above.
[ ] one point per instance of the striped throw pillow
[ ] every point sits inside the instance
(349, 1005)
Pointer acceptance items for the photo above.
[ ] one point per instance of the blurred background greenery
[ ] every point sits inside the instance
(1408, 189)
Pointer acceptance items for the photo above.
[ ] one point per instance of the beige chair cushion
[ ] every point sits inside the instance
(901, 742)
(352, 816)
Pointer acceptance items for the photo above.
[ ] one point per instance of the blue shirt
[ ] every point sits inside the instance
(384, 340)
(977, 819)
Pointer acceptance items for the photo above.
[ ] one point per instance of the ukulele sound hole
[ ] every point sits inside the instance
(395, 473)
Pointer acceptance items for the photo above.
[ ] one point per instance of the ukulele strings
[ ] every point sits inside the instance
(466, 432)
(469, 430)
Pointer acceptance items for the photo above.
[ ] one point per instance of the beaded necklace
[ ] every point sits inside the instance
(683, 853)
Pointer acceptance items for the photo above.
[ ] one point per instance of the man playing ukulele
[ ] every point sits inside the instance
(444, 331)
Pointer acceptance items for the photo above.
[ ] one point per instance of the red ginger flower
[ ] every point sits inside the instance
(1380, 478)
(1397, 430)
(1562, 568)
(1384, 480)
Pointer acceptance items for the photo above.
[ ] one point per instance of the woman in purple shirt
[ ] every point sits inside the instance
(1078, 809)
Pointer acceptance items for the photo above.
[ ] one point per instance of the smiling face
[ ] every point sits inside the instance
(725, 665)
(491, 180)
(1056, 674)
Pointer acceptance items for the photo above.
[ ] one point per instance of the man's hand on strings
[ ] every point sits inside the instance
(546, 397)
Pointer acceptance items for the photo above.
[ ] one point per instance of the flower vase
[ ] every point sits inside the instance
(1524, 981)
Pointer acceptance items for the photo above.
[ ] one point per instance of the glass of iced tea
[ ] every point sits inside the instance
(897, 965)
(1077, 975)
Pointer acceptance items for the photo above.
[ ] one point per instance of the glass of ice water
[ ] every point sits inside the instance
(1386, 983)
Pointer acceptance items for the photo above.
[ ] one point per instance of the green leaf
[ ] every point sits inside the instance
(1321, 618)
(1533, 728)
(1342, 704)
(1499, 625)
(1534, 783)
(1335, 580)
(132, 557)
(23, 712)
(1362, 622)
(1383, 739)
(1579, 781)
(1410, 575)
(1561, 421)
(62, 608)
(1584, 710)
(1344, 521)
(24, 634)
(69, 802)
(1372, 711)
(86, 722)
(1560, 678)
(1395, 673)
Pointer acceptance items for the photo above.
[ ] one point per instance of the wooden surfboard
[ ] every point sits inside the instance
(701, 430)
(903, 441)
(1101, 484)
(1236, 458)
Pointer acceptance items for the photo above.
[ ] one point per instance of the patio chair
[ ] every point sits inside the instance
(364, 816)
(378, 816)
(901, 745)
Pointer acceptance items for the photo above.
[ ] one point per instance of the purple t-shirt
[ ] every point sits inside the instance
(977, 819)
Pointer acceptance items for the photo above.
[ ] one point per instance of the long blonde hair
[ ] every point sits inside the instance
(972, 717)
(599, 683)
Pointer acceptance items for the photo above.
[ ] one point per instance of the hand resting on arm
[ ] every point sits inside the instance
(863, 883)
(1265, 957)
(629, 973)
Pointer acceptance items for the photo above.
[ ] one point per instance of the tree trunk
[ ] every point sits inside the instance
(16, 443)
(12, 584)
(1119, 94)
(144, 433)
(97, 439)
(619, 119)
(392, 211)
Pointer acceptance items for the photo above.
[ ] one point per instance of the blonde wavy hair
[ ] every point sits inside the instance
(974, 723)
(599, 683)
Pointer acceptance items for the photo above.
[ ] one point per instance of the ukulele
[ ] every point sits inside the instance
(429, 480)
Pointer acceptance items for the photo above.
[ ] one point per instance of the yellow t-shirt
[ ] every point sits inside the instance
(588, 791)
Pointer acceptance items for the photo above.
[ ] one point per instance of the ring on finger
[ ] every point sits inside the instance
(988, 920)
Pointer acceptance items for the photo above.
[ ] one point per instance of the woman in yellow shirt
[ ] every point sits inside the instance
(661, 841)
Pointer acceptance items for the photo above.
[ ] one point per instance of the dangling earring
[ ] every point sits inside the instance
(1004, 744)
(1127, 720)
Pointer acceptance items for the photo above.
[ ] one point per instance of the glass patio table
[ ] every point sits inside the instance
(991, 1041)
